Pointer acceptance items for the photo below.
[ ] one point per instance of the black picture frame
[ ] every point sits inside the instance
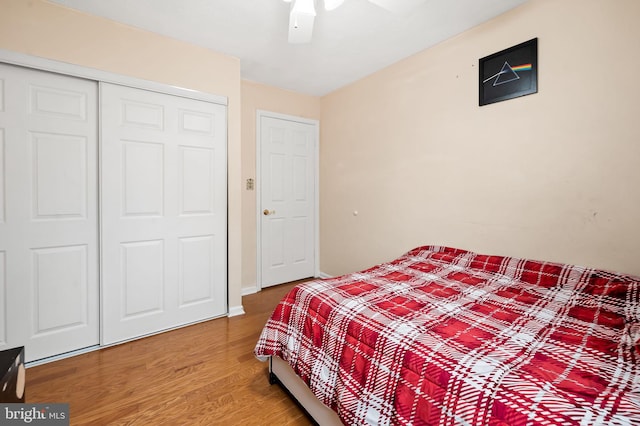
(509, 74)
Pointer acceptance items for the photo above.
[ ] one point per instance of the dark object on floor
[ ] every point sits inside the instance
(13, 375)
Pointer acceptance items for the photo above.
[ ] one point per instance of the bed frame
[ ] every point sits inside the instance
(281, 373)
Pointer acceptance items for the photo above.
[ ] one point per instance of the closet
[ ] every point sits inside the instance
(112, 211)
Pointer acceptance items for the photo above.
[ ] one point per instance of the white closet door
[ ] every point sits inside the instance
(164, 226)
(48, 212)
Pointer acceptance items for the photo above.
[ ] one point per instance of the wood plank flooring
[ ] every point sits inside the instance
(204, 374)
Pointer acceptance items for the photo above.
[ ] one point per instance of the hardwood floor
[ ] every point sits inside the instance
(204, 374)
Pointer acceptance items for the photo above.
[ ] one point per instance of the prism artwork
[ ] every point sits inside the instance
(510, 73)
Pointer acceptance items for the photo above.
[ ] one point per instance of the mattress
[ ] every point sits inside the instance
(448, 336)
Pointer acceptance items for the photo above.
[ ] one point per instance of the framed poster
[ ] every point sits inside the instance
(510, 73)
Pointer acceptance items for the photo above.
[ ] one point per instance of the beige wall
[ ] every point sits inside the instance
(550, 176)
(554, 175)
(43, 29)
(256, 97)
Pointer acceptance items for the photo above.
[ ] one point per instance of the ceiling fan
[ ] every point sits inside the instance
(303, 13)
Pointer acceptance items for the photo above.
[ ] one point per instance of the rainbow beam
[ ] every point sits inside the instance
(523, 67)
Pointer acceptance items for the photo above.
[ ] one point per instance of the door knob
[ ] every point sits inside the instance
(267, 212)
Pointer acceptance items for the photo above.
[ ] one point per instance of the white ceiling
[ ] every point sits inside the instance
(348, 43)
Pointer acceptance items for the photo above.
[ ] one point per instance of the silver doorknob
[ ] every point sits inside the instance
(267, 212)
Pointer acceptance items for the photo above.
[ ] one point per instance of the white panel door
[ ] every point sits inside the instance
(48, 212)
(287, 200)
(164, 207)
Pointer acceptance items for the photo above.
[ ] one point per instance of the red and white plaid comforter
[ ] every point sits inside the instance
(446, 336)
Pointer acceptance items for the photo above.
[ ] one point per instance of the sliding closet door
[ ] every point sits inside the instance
(163, 183)
(48, 212)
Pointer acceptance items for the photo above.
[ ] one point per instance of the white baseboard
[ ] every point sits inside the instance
(235, 311)
(249, 290)
(324, 276)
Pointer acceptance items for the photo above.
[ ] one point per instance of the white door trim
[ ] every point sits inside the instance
(43, 64)
(316, 225)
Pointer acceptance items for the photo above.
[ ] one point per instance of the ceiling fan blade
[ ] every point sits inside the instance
(398, 6)
(301, 19)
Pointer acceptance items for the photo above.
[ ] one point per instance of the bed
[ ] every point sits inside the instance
(448, 336)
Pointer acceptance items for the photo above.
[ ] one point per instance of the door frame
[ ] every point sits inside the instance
(258, 188)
